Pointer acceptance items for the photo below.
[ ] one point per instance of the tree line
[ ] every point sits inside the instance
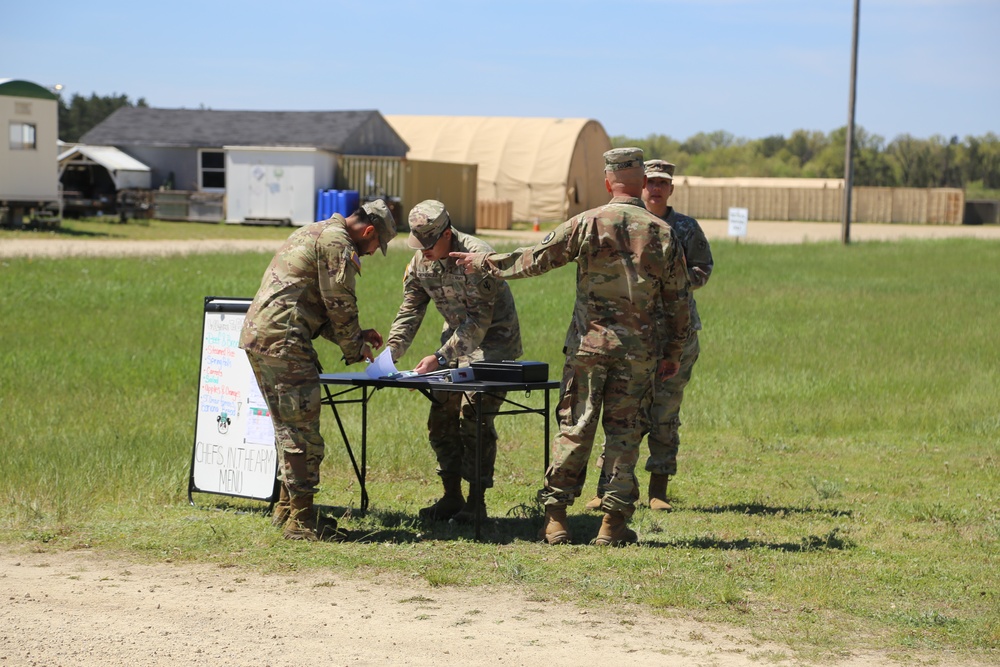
(972, 163)
(78, 116)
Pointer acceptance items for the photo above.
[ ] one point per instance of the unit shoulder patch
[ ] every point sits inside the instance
(488, 287)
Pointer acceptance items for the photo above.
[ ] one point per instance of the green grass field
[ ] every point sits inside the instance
(108, 228)
(838, 480)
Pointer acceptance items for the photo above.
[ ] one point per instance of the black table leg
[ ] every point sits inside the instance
(479, 454)
(547, 444)
(364, 449)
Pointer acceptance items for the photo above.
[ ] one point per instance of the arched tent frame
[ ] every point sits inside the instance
(550, 168)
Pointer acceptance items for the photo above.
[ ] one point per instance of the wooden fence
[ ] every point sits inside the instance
(868, 204)
(494, 213)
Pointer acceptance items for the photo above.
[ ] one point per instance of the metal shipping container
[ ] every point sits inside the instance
(405, 183)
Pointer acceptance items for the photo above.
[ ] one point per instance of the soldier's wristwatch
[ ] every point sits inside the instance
(441, 360)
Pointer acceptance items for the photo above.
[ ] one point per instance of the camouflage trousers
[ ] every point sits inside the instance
(291, 390)
(451, 427)
(618, 391)
(664, 416)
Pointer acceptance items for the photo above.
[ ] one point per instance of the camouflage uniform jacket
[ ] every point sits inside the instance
(480, 322)
(628, 268)
(307, 291)
(697, 252)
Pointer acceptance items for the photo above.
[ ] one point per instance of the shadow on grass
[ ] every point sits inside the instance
(236, 507)
(521, 523)
(767, 510)
(68, 233)
(832, 541)
(400, 527)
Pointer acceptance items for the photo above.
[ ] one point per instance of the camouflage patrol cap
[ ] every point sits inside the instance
(381, 218)
(660, 169)
(428, 220)
(617, 159)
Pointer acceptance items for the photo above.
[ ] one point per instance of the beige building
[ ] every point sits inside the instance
(549, 168)
(29, 181)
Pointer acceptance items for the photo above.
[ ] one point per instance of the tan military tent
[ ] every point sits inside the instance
(550, 168)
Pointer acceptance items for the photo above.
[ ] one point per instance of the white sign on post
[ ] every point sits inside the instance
(738, 218)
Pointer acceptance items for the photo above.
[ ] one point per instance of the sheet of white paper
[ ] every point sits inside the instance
(382, 366)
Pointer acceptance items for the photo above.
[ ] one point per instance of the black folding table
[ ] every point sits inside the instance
(349, 384)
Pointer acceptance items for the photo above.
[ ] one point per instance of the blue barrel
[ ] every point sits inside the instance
(350, 199)
(329, 204)
(319, 204)
(353, 199)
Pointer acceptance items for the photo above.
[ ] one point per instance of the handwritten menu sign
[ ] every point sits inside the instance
(234, 439)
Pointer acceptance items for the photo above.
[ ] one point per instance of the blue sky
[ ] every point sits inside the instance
(677, 67)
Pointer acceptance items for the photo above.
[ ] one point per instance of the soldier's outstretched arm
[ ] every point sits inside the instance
(471, 262)
(558, 248)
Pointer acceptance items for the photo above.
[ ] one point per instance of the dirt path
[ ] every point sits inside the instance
(758, 232)
(84, 609)
(78, 608)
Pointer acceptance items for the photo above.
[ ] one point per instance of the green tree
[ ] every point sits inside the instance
(983, 160)
(83, 113)
(871, 164)
(771, 145)
(906, 161)
(828, 160)
(805, 145)
(705, 143)
(655, 146)
(913, 161)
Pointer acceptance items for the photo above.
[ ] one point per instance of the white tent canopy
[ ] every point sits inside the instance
(550, 168)
(125, 170)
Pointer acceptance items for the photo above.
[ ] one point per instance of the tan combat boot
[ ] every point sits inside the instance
(614, 531)
(281, 508)
(475, 505)
(450, 504)
(593, 504)
(555, 530)
(658, 493)
(301, 523)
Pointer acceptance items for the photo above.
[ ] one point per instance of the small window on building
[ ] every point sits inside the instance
(213, 170)
(22, 137)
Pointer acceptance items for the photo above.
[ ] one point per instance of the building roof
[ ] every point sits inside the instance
(19, 88)
(108, 157)
(361, 132)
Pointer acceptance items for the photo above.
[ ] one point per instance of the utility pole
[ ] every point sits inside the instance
(845, 232)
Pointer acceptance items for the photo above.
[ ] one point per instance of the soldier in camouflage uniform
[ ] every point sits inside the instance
(480, 324)
(667, 396)
(306, 292)
(628, 268)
